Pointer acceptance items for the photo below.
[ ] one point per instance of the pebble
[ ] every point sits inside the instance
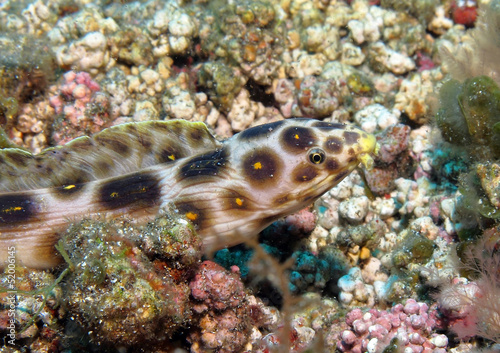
(354, 209)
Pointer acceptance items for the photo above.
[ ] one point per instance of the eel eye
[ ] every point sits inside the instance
(317, 156)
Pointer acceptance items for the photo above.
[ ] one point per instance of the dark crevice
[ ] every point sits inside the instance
(258, 94)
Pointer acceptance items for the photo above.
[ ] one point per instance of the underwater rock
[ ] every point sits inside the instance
(416, 94)
(354, 291)
(470, 116)
(375, 117)
(489, 174)
(117, 292)
(30, 306)
(393, 160)
(244, 36)
(81, 108)
(226, 316)
(412, 248)
(223, 83)
(26, 66)
(311, 96)
(383, 59)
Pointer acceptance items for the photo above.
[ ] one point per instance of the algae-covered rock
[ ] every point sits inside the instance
(128, 284)
(27, 65)
(8, 109)
(222, 81)
(470, 115)
(475, 202)
(489, 174)
(414, 248)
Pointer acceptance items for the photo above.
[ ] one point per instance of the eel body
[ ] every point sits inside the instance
(229, 190)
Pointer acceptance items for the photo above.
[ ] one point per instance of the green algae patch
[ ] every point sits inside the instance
(8, 110)
(414, 248)
(470, 116)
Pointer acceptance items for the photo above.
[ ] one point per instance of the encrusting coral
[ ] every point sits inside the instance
(472, 306)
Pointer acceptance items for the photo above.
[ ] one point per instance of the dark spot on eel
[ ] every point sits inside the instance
(190, 211)
(305, 174)
(323, 125)
(259, 131)
(262, 167)
(332, 164)
(69, 188)
(297, 138)
(132, 189)
(16, 208)
(351, 137)
(208, 164)
(334, 145)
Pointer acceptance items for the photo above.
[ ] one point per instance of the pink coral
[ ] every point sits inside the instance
(225, 314)
(473, 308)
(215, 288)
(424, 62)
(411, 324)
(81, 107)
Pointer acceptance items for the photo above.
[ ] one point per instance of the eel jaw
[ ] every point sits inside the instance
(369, 146)
(366, 160)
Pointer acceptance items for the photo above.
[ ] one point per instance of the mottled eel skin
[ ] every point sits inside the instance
(229, 189)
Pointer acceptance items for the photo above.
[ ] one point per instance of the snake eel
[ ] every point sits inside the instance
(228, 190)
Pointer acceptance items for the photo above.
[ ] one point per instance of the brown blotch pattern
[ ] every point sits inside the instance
(334, 145)
(196, 134)
(351, 137)
(175, 127)
(69, 188)
(305, 174)
(169, 154)
(332, 164)
(297, 138)
(145, 139)
(131, 129)
(16, 208)
(191, 212)
(281, 199)
(81, 143)
(17, 158)
(114, 144)
(262, 167)
(104, 167)
(351, 151)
